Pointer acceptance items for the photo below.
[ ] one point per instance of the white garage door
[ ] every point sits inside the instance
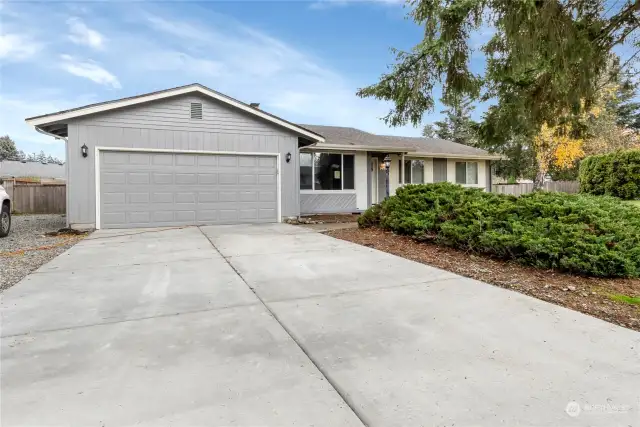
(147, 189)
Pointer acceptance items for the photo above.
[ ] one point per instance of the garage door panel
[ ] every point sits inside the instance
(185, 216)
(228, 161)
(207, 160)
(268, 196)
(139, 159)
(266, 213)
(114, 178)
(162, 216)
(207, 178)
(207, 197)
(186, 178)
(139, 216)
(266, 179)
(162, 178)
(267, 162)
(111, 198)
(134, 178)
(138, 198)
(161, 189)
(161, 197)
(185, 159)
(185, 198)
(162, 160)
(227, 179)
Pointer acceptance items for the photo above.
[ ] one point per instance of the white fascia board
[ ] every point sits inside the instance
(346, 148)
(460, 156)
(38, 121)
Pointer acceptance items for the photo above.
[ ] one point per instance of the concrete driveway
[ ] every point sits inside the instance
(277, 325)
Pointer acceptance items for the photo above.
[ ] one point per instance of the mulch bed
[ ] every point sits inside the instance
(333, 218)
(588, 295)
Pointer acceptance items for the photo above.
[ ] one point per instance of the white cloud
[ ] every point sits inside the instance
(83, 35)
(256, 67)
(181, 62)
(89, 70)
(17, 47)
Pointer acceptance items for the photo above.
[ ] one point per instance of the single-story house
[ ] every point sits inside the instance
(191, 155)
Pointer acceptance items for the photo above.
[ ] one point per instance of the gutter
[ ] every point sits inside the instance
(44, 132)
(337, 147)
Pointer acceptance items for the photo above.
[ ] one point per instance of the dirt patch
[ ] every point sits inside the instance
(332, 218)
(594, 296)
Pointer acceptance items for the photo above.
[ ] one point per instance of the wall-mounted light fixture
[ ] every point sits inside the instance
(288, 157)
(85, 150)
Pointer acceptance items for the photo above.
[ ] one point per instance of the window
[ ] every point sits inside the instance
(466, 172)
(327, 171)
(349, 172)
(413, 171)
(306, 171)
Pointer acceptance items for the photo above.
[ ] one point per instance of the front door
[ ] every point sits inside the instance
(374, 180)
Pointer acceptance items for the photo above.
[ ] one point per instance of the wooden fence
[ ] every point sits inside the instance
(520, 189)
(36, 198)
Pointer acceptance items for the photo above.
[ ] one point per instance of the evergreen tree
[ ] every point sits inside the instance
(457, 125)
(7, 148)
(543, 63)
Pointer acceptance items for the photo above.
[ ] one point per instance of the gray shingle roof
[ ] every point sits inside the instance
(336, 135)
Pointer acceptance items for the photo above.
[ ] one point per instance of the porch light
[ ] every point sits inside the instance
(288, 157)
(85, 150)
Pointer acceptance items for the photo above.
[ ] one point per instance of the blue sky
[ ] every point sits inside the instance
(303, 61)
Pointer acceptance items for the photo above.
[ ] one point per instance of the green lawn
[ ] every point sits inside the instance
(634, 202)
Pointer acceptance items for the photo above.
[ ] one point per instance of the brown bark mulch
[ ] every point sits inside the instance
(333, 218)
(588, 295)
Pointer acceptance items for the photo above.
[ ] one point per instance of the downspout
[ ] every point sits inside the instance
(402, 170)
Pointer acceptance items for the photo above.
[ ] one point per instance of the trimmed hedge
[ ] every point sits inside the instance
(590, 235)
(614, 174)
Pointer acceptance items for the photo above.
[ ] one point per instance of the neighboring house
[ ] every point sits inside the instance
(191, 155)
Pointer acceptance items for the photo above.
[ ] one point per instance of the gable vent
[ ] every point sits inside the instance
(196, 110)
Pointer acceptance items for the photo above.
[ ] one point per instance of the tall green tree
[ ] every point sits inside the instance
(626, 105)
(543, 63)
(8, 148)
(457, 125)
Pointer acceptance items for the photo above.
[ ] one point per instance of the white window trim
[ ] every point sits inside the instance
(313, 174)
(467, 184)
(403, 168)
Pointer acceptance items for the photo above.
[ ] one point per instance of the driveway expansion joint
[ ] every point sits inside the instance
(342, 393)
(133, 319)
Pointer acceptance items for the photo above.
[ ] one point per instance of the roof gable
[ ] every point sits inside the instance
(66, 115)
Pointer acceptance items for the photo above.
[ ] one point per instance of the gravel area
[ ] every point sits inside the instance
(27, 247)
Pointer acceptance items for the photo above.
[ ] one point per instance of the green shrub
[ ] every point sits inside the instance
(370, 217)
(591, 235)
(614, 174)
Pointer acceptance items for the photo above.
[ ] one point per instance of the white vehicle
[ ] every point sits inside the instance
(5, 214)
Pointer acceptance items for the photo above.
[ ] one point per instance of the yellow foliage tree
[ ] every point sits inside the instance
(555, 145)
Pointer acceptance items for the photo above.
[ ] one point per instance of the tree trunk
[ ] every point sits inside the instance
(538, 182)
